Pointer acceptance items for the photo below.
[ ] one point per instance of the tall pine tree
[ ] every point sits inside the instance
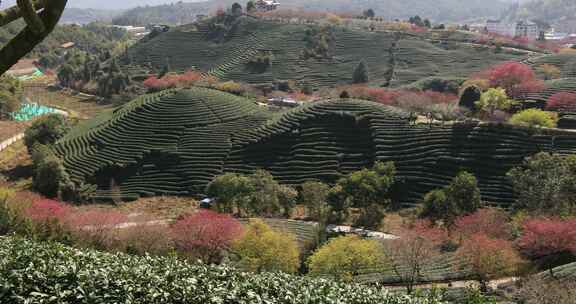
(360, 73)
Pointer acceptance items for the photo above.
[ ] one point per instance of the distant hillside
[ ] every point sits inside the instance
(173, 13)
(392, 58)
(438, 10)
(83, 16)
(92, 38)
(550, 10)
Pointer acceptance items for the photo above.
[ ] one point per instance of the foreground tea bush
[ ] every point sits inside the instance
(32, 272)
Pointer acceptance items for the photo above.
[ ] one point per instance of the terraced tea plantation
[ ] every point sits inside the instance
(177, 141)
(553, 87)
(563, 273)
(566, 62)
(392, 58)
(443, 268)
(169, 143)
(416, 59)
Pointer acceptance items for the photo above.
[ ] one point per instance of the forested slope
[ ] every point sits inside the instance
(440, 10)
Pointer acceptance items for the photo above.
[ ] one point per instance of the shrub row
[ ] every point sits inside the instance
(176, 142)
(32, 272)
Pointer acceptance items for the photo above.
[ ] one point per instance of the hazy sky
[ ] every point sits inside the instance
(107, 4)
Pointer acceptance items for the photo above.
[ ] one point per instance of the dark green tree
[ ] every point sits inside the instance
(427, 23)
(360, 74)
(436, 206)
(250, 6)
(546, 183)
(460, 197)
(49, 172)
(368, 190)
(463, 191)
(368, 186)
(49, 60)
(236, 9)
(542, 36)
(254, 195)
(11, 93)
(269, 197)
(369, 13)
(165, 70)
(66, 75)
(50, 177)
(470, 95)
(344, 94)
(416, 20)
(46, 131)
(229, 191)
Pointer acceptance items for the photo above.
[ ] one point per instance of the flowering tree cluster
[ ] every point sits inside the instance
(154, 84)
(206, 235)
(398, 97)
(489, 258)
(481, 239)
(515, 78)
(544, 237)
(203, 235)
(45, 210)
(492, 222)
(562, 102)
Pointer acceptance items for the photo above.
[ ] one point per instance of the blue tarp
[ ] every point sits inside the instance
(30, 110)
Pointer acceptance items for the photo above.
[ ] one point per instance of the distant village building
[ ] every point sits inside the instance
(284, 102)
(500, 28)
(525, 29)
(266, 5)
(160, 28)
(556, 36)
(131, 29)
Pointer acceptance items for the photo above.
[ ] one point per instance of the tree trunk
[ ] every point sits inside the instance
(28, 38)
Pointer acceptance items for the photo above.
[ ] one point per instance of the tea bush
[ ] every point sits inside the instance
(32, 272)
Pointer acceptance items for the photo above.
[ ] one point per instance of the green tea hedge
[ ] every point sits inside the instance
(175, 142)
(32, 272)
(391, 58)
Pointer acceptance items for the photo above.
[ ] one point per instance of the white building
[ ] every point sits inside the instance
(267, 5)
(500, 28)
(526, 29)
(131, 29)
(556, 36)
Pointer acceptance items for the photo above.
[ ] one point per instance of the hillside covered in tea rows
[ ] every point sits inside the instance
(175, 142)
(263, 52)
(441, 11)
